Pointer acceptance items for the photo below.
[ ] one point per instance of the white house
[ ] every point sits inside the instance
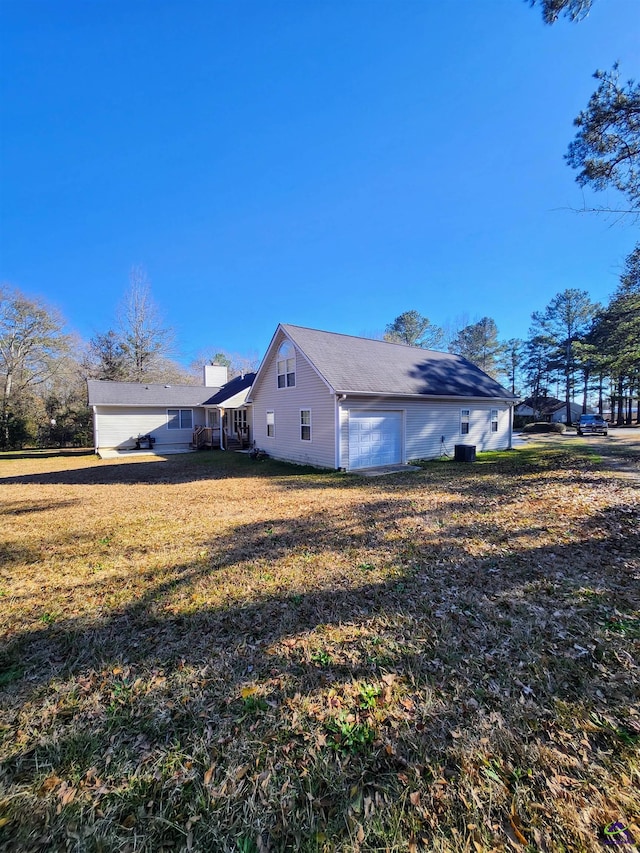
(343, 402)
(175, 417)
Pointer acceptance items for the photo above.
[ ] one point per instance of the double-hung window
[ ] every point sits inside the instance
(286, 365)
(465, 415)
(271, 424)
(179, 419)
(494, 420)
(305, 424)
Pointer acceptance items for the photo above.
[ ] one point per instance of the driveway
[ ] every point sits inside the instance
(619, 451)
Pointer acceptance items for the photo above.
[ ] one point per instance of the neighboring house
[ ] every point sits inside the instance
(176, 417)
(337, 401)
(548, 409)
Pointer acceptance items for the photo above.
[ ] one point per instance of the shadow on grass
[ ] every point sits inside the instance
(155, 685)
(48, 453)
(178, 468)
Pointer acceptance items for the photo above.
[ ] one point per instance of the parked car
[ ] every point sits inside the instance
(590, 424)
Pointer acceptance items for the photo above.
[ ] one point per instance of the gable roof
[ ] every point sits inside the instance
(363, 366)
(103, 392)
(542, 404)
(231, 389)
(547, 405)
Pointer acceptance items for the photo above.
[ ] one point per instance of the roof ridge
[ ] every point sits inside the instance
(364, 338)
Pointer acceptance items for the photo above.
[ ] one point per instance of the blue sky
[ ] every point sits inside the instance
(328, 164)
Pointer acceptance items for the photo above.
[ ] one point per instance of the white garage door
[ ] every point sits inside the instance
(375, 439)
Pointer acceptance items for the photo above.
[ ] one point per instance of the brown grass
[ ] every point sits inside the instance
(208, 653)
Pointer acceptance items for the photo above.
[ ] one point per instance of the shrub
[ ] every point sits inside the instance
(544, 427)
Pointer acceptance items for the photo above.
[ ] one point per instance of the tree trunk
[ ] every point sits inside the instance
(620, 415)
(584, 391)
(600, 401)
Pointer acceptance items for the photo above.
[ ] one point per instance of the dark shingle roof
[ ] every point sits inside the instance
(362, 365)
(105, 393)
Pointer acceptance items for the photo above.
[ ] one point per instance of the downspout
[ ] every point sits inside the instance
(510, 426)
(95, 429)
(338, 455)
(337, 435)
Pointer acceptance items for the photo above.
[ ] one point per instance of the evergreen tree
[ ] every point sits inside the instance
(538, 367)
(106, 358)
(575, 10)
(511, 360)
(415, 330)
(606, 150)
(565, 321)
(616, 335)
(479, 344)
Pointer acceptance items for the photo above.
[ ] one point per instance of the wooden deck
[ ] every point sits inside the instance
(208, 438)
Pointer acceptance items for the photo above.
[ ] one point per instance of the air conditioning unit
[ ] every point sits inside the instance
(465, 453)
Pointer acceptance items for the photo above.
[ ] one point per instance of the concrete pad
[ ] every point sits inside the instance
(112, 453)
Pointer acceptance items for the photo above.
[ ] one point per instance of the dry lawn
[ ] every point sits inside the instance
(208, 653)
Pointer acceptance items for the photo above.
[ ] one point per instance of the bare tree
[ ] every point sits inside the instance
(145, 341)
(32, 348)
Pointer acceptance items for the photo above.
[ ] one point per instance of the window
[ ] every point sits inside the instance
(464, 421)
(179, 419)
(494, 420)
(271, 424)
(305, 424)
(286, 366)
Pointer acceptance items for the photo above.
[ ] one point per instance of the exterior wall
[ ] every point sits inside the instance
(119, 427)
(425, 422)
(309, 392)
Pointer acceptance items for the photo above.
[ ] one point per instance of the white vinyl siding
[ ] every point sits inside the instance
(119, 426)
(309, 393)
(426, 422)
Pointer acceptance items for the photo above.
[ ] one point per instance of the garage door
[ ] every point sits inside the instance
(375, 439)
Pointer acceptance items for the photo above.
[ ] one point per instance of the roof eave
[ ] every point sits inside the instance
(505, 398)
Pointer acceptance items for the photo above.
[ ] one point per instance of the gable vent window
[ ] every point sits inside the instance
(179, 419)
(494, 420)
(464, 421)
(286, 366)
